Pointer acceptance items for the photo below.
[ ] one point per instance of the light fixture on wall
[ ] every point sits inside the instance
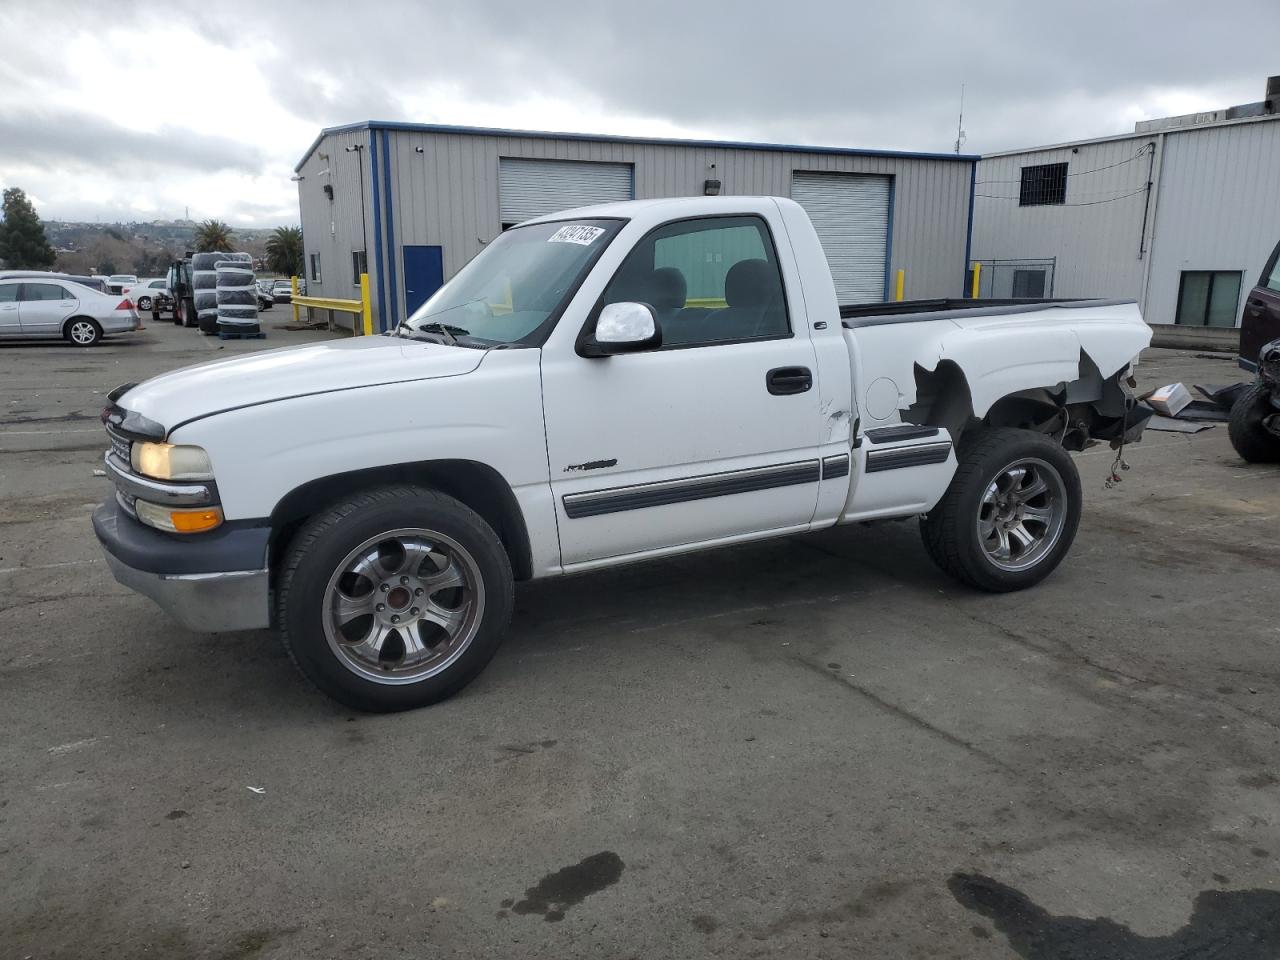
(711, 186)
(328, 191)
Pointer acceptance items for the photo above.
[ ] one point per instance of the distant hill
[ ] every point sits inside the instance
(144, 248)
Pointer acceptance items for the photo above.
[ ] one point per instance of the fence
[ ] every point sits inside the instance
(1008, 279)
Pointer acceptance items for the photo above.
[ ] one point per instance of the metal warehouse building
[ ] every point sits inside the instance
(1180, 215)
(415, 202)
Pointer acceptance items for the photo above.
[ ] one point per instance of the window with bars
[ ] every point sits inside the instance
(1043, 185)
(359, 265)
(315, 267)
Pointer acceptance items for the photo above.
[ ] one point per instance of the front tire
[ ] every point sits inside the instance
(83, 331)
(144, 304)
(394, 599)
(1250, 438)
(1010, 514)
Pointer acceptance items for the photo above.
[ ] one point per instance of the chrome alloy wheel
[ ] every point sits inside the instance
(1022, 513)
(403, 606)
(82, 331)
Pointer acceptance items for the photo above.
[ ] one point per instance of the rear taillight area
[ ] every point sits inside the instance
(125, 304)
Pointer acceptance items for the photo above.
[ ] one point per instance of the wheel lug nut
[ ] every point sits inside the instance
(419, 592)
(380, 607)
(384, 588)
(404, 581)
(413, 612)
(395, 619)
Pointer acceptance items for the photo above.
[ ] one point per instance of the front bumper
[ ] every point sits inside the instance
(210, 583)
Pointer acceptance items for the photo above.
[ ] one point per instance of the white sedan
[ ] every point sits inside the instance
(150, 295)
(58, 309)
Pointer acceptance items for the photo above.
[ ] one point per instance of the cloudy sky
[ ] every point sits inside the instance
(136, 111)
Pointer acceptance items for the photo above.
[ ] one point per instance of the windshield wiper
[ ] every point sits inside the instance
(449, 332)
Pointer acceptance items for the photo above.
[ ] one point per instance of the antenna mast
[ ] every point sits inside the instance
(960, 137)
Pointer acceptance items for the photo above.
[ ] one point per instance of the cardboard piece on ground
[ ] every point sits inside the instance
(1169, 425)
(1169, 400)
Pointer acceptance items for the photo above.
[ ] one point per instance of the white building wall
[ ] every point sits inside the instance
(1218, 208)
(1215, 205)
(1094, 236)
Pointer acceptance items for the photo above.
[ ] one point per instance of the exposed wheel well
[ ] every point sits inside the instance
(477, 485)
(1074, 411)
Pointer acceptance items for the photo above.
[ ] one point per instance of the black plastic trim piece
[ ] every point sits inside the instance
(904, 431)
(236, 545)
(921, 311)
(917, 456)
(835, 467)
(595, 503)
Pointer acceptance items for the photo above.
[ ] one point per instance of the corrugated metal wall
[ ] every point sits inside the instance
(1219, 209)
(1094, 236)
(1215, 206)
(335, 229)
(447, 195)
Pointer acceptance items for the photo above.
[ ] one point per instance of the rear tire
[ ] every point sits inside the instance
(1253, 441)
(394, 599)
(144, 304)
(82, 331)
(1010, 514)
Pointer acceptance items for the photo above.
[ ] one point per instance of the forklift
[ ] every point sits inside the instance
(179, 280)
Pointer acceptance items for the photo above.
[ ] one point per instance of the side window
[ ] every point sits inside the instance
(1271, 278)
(9, 292)
(44, 291)
(713, 280)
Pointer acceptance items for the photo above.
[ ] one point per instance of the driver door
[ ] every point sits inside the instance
(714, 436)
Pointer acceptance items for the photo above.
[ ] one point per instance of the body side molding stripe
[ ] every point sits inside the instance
(917, 456)
(594, 503)
(835, 467)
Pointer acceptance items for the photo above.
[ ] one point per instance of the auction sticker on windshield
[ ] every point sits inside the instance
(576, 233)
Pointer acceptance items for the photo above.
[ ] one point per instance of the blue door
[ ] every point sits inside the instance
(423, 275)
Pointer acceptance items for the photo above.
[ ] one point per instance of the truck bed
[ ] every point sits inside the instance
(856, 315)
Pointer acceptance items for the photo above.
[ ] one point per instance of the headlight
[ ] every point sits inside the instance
(166, 461)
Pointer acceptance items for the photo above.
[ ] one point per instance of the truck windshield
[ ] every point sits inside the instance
(516, 287)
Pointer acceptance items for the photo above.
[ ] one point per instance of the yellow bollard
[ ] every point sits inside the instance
(977, 279)
(899, 285)
(293, 282)
(366, 307)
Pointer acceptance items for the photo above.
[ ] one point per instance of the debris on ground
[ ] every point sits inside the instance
(256, 789)
(1178, 425)
(1222, 395)
(1169, 400)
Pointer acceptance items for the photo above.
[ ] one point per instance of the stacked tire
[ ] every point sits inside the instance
(204, 285)
(237, 296)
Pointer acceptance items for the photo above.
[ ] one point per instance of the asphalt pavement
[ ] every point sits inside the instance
(813, 747)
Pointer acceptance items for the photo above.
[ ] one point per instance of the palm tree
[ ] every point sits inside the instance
(284, 251)
(212, 235)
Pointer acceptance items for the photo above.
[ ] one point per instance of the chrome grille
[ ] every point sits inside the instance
(119, 446)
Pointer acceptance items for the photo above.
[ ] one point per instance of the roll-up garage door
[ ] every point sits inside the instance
(535, 188)
(850, 211)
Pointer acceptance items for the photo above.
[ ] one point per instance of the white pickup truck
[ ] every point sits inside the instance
(597, 387)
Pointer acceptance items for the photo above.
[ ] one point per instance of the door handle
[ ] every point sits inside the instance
(783, 381)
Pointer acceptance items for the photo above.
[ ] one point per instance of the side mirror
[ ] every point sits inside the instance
(623, 328)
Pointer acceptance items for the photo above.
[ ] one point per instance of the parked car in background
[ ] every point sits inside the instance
(266, 297)
(45, 308)
(282, 291)
(93, 283)
(673, 375)
(118, 282)
(1255, 417)
(150, 295)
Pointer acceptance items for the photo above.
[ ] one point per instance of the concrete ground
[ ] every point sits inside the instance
(817, 747)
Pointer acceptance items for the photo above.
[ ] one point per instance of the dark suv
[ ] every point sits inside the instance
(1255, 417)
